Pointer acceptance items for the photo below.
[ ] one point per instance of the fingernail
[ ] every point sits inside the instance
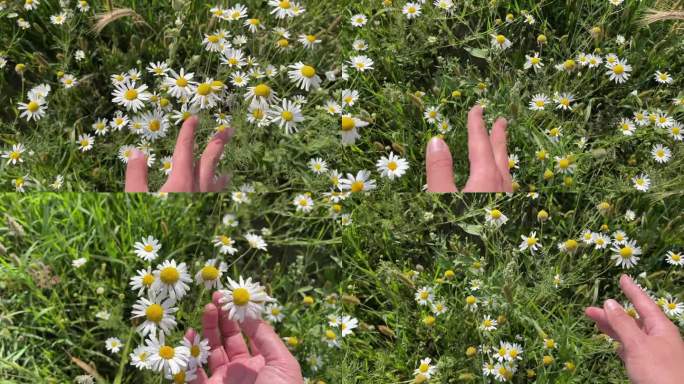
(612, 305)
(224, 135)
(436, 144)
(137, 154)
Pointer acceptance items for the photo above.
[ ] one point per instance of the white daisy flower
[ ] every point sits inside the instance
(158, 315)
(148, 248)
(171, 280)
(244, 299)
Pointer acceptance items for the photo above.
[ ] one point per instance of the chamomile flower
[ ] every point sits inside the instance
(424, 296)
(641, 182)
(439, 308)
(488, 324)
(350, 126)
(166, 358)
(674, 258)
(392, 166)
(359, 20)
(130, 96)
(304, 76)
(199, 351)
(274, 313)
(140, 357)
(13, 156)
(534, 62)
(676, 132)
(113, 344)
(158, 69)
(261, 93)
(157, 313)
(625, 255)
(148, 248)
(142, 281)
(530, 242)
(361, 63)
(539, 102)
(672, 307)
(619, 71)
(287, 116)
(495, 217)
(33, 110)
(426, 368)
(349, 97)
(500, 42)
(210, 274)
(225, 244)
(256, 241)
(171, 280)
(565, 164)
(166, 165)
(155, 124)
(661, 154)
(318, 166)
(347, 325)
(85, 142)
(600, 240)
(663, 77)
(282, 8)
(627, 127)
(359, 183)
(411, 10)
(206, 94)
(303, 203)
(180, 86)
(564, 101)
(244, 299)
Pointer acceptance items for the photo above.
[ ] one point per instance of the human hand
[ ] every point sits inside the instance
(231, 362)
(185, 175)
(651, 347)
(488, 156)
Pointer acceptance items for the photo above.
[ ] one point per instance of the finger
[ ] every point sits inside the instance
(270, 346)
(653, 318)
(210, 326)
(439, 167)
(183, 154)
(190, 335)
(136, 172)
(479, 147)
(210, 158)
(598, 315)
(233, 341)
(201, 377)
(217, 360)
(624, 326)
(220, 184)
(499, 142)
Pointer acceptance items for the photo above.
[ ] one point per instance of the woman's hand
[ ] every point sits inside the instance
(267, 361)
(651, 347)
(488, 156)
(186, 176)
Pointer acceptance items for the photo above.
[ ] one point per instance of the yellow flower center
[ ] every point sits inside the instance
(179, 378)
(535, 60)
(308, 71)
(424, 295)
(241, 296)
(204, 89)
(357, 186)
(348, 123)
(287, 116)
(311, 38)
(571, 245)
(169, 275)
(531, 241)
(166, 352)
(563, 163)
(424, 367)
(148, 248)
(154, 313)
(195, 351)
(471, 300)
(210, 272)
(626, 252)
(618, 69)
(33, 106)
(496, 214)
(262, 90)
(14, 155)
(392, 166)
(131, 95)
(148, 279)
(155, 125)
(182, 82)
(330, 335)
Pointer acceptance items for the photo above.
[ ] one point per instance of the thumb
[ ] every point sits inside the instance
(439, 167)
(623, 325)
(136, 172)
(269, 344)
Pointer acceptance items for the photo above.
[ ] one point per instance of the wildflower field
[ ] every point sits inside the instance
(325, 93)
(444, 288)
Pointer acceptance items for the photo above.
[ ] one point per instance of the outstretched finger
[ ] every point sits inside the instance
(480, 151)
(499, 142)
(625, 327)
(233, 341)
(210, 321)
(270, 346)
(219, 184)
(598, 315)
(439, 167)
(136, 172)
(210, 158)
(183, 154)
(652, 316)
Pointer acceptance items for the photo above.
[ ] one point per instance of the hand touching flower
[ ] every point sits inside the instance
(186, 176)
(488, 156)
(266, 361)
(651, 347)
